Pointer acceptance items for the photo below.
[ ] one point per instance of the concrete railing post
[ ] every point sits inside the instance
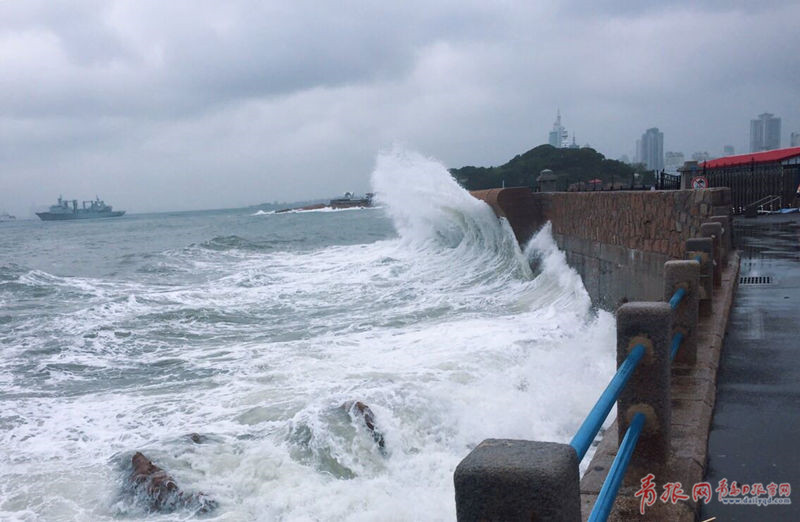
(703, 247)
(726, 243)
(518, 480)
(648, 391)
(686, 275)
(714, 231)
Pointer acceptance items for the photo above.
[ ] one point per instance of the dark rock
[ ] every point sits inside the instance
(197, 438)
(361, 409)
(161, 491)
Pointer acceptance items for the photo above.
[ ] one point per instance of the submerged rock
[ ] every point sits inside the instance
(361, 409)
(160, 491)
(197, 438)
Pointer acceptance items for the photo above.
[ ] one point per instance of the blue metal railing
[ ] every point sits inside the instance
(591, 426)
(608, 493)
(676, 298)
(588, 430)
(677, 339)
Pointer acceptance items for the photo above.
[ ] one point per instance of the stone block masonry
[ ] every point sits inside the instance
(617, 241)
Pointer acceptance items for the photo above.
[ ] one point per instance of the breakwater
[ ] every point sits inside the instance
(617, 241)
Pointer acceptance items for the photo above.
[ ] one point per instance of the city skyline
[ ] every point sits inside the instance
(765, 134)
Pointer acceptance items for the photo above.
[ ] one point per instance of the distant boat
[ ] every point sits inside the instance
(66, 210)
(348, 201)
(5, 216)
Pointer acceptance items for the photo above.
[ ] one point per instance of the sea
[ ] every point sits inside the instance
(229, 348)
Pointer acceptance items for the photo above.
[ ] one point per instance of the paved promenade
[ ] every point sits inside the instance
(755, 432)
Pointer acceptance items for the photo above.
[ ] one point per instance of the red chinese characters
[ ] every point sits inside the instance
(702, 490)
(673, 492)
(722, 489)
(647, 491)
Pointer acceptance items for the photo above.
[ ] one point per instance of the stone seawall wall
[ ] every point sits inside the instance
(617, 241)
(649, 221)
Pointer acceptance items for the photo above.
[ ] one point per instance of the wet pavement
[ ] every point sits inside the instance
(755, 431)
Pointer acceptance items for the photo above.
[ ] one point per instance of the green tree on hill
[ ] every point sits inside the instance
(570, 165)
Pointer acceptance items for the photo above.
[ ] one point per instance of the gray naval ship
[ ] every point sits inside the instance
(66, 210)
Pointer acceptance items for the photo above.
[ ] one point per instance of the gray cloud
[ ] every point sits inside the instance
(162, 105)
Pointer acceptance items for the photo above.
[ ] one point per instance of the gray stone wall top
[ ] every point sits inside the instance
(648, 221)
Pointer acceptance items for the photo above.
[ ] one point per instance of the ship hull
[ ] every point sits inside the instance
(50, 216)
(350, 203)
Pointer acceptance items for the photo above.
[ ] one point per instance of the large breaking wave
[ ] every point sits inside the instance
(442, 329)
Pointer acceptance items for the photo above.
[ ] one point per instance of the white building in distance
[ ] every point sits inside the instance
(672, 161)
(558, 137)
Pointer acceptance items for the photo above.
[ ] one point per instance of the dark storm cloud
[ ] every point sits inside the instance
(638, 8)
(177, 57)
(159, 105)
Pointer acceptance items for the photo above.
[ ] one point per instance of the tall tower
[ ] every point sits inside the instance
(765, 133)
(651, 149)
(558, 137)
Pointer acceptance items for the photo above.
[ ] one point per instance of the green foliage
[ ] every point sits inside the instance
(570, 165)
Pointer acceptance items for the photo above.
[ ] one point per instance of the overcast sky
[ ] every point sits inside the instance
(172, 105)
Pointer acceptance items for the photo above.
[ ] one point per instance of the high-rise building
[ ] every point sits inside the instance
(795, 139)
(765, 133)
(651, 149)
(728, 150)
(558, 137)
(673, 161)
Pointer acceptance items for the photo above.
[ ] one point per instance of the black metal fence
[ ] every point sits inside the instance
(754, 187)
(660, 181)
(666, 181)
(770, 186)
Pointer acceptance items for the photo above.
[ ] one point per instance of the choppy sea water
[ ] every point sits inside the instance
(251, 330)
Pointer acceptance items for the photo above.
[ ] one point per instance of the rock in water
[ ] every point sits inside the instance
(358, 407)
(160, 489)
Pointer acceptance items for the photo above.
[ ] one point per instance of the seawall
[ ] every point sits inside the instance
(614, 240)
(617, 241)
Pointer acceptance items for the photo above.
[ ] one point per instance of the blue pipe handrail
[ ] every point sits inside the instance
(588, 430)
(608, 493)
(676, 298)
(677, 339)
(591, 425)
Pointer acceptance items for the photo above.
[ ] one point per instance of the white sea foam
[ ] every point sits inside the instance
(445, 332)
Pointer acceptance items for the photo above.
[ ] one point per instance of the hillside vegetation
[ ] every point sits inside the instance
(570, 165)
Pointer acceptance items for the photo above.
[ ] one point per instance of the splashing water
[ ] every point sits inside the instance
(255, 339)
